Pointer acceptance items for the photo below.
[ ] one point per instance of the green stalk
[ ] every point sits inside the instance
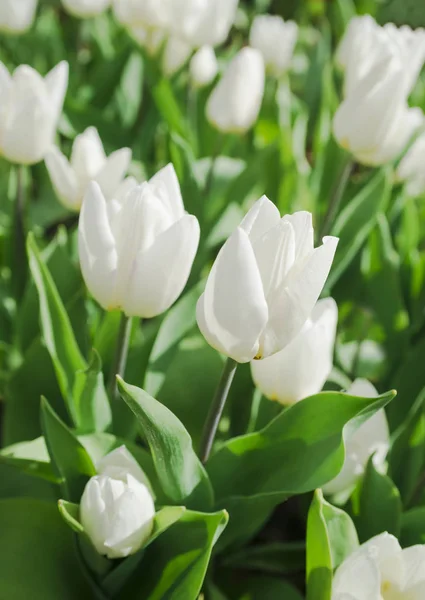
(121, 354)
(335, 200)
(19, 238)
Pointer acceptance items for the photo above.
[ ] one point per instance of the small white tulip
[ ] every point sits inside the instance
(88, 163)
(84, 9)
(205, 22)
(30, 110)
(374, 122)
(264, 283)
(411, 168)
(17, 16)
(203, 66)
(136, 254)
(372, 437)
(235, 102)
(117, 508)
(147, 13)
(303, 366)
(381, 570)
(276, 40)
(176, 53)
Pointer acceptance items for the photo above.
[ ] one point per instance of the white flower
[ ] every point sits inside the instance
(88, 163)
(84, 9)
(372, 437)
(30, 109)
(203, 66)
(117, 508)
(176, 53)
(205, 22)
(411, 168)
(374, 122)
(136, 254)
(264, 283)
(303, 366)
(235, 102)
(276, 40)
(381, 570)
(17, 16)
(147, 13)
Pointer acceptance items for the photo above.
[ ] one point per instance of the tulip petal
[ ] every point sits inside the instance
(88, 156)
(358, 575)
(414, 570)
(57, 83)
(302, 223)
(119, 463)
(169, 190)
(161, 272)
(232, 312)
(97, 250)
(63, 179)
(262, 216)
(113, 172)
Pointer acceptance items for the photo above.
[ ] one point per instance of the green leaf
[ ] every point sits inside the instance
(69, 458)
(413, 527)
(57, 330)
(342, 534)
(377, 505)
(274, 558)
(90, 398)
(179, 470)
(168, 107)
(71, 515)
(174, 566)
(37, 553)
(256, 587)
(356, 221)
(31, 458)
(319, 557)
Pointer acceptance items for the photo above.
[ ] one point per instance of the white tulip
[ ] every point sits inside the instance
(117, 508)
(371, 438)
(136, 254)
(381, 570)
(235, 102)
(411, 168)
(206, 23)
(176, 53)
(264, 283)
(147, 13)
(88, 162)
(29, 112)
(374, 122)
(84, 9)
(150, 38)
(276, 40)
(203, 66)
(303, 366)
(17, 16)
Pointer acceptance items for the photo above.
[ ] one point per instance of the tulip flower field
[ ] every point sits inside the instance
(212, 300)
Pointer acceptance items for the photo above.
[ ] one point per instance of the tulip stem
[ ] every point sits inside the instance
(335, 199)
(121, 354)
(217, 407)
(20, 234)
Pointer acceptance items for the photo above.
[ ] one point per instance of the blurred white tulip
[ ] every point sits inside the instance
(176, 53)
(136, 254)
(88, 162)
(203, 66)
(235, 102)
(411, 168)
(210, 22)
(117, 508)
(381, 570)
(145, 13)
(303, 366)
(374, 122)
(264, 283)
(275, 39)
(17, 16)
(29, 112)
(84, 9)
(372, 437)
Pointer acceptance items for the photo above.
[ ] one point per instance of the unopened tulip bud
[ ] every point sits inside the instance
(276, 40)
(30, 110)
(84, 9)
(17, 16)
(136, 255)
(235, 102)
(264, 283)
(88, 163)
(371, 438)
(203, 66)
(117, 508)
(303, 366)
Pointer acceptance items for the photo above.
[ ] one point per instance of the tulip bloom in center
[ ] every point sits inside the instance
(264, 283)
(136, 254)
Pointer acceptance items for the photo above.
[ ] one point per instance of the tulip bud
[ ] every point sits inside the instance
(17, 16)
(381, 570)
(136, 255)
(88, 162)
(264, 283)
(374, 122)
(203, 22)
(303, 366)
(371, 438)
(84, 9)
(235, 102)
(30, 111)
(276, 40)
(117, 508)
(203, 66)
(411, 168)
